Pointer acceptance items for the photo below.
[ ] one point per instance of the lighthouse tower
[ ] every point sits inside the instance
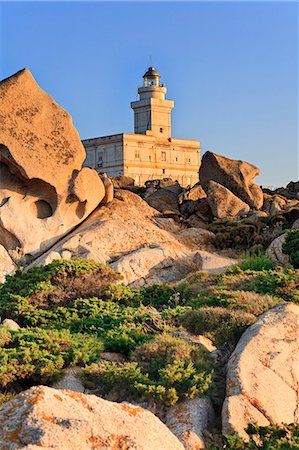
(152, 112)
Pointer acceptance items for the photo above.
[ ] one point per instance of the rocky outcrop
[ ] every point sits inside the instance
(192, 193)
(115, 230)
(263, 376)
(44, 192)
(44, 418)
(236, 176)
(188, 419)
(211, 262)
(151, 265)
(195, 237)
(291, 191)
(163, 200)
(224, 203)
(128, 235)
(274, 251)
(122, 182)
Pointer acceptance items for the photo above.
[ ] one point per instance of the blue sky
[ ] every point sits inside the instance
(230, 67)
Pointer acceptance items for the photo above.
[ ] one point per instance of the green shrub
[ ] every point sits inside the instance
(234, 235)
(5, 336)
(39, 354)
(165, 349)
(157, 295)
(291, 247)
(272, 437)
(221, 325)
(247, 301)
(5, 397)
(257, 263)
(121, 293)
(278, 282)
(57, 283)
(164, 370)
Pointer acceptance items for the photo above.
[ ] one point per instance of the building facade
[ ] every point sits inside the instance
(151, 152)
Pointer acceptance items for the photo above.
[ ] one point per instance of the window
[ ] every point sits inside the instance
(161, 130)
(163, 156)
(137, 155)
(176, 159)
(150, 158)
(163, 170)
(100, 160)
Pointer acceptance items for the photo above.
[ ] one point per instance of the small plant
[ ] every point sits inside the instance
(291, 247)
(6, 397)
(163, 370)
(121, 293)
(157, 295)
(272, 437)
(257, 263)
(39, 354)
(221, 325)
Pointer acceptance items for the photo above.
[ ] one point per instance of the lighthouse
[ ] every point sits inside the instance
(152, 112)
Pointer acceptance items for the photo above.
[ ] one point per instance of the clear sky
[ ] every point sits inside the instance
(230, 67)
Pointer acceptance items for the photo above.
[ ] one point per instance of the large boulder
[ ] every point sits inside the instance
(211, 262)
(274, 204)
(151, 265)
(274, 251)
(193, 193)
(236, 175)
(188, 420)
(44, 192)
(44, 418)
(224, 204)
(122, 182)
(163, 200)
(263, 375)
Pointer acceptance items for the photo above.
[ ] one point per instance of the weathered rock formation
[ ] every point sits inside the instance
(189, 419)
(44, 191)
(263, 373)
(224, 203)
(131, 236)
(236, 176)
(44, 418)
(152, 265)
(163, 200)
(291, 191)
(274, 251)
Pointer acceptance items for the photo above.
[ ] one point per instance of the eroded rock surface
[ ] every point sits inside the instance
(237, 176)
(115, 230)
(44, 418)
(188, 419)
(263, 373)
(44, 192)
(274, 251)
(224, 203)
(151, 265)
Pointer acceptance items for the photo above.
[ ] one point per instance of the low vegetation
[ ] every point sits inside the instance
(251, 233)
(291, 247)
(71, 311)
(165, 370)
(271, 437)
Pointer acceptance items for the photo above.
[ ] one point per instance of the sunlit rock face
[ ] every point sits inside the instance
(44, 192)
(235, 175)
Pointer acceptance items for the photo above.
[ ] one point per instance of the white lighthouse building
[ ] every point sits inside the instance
(151, 152)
